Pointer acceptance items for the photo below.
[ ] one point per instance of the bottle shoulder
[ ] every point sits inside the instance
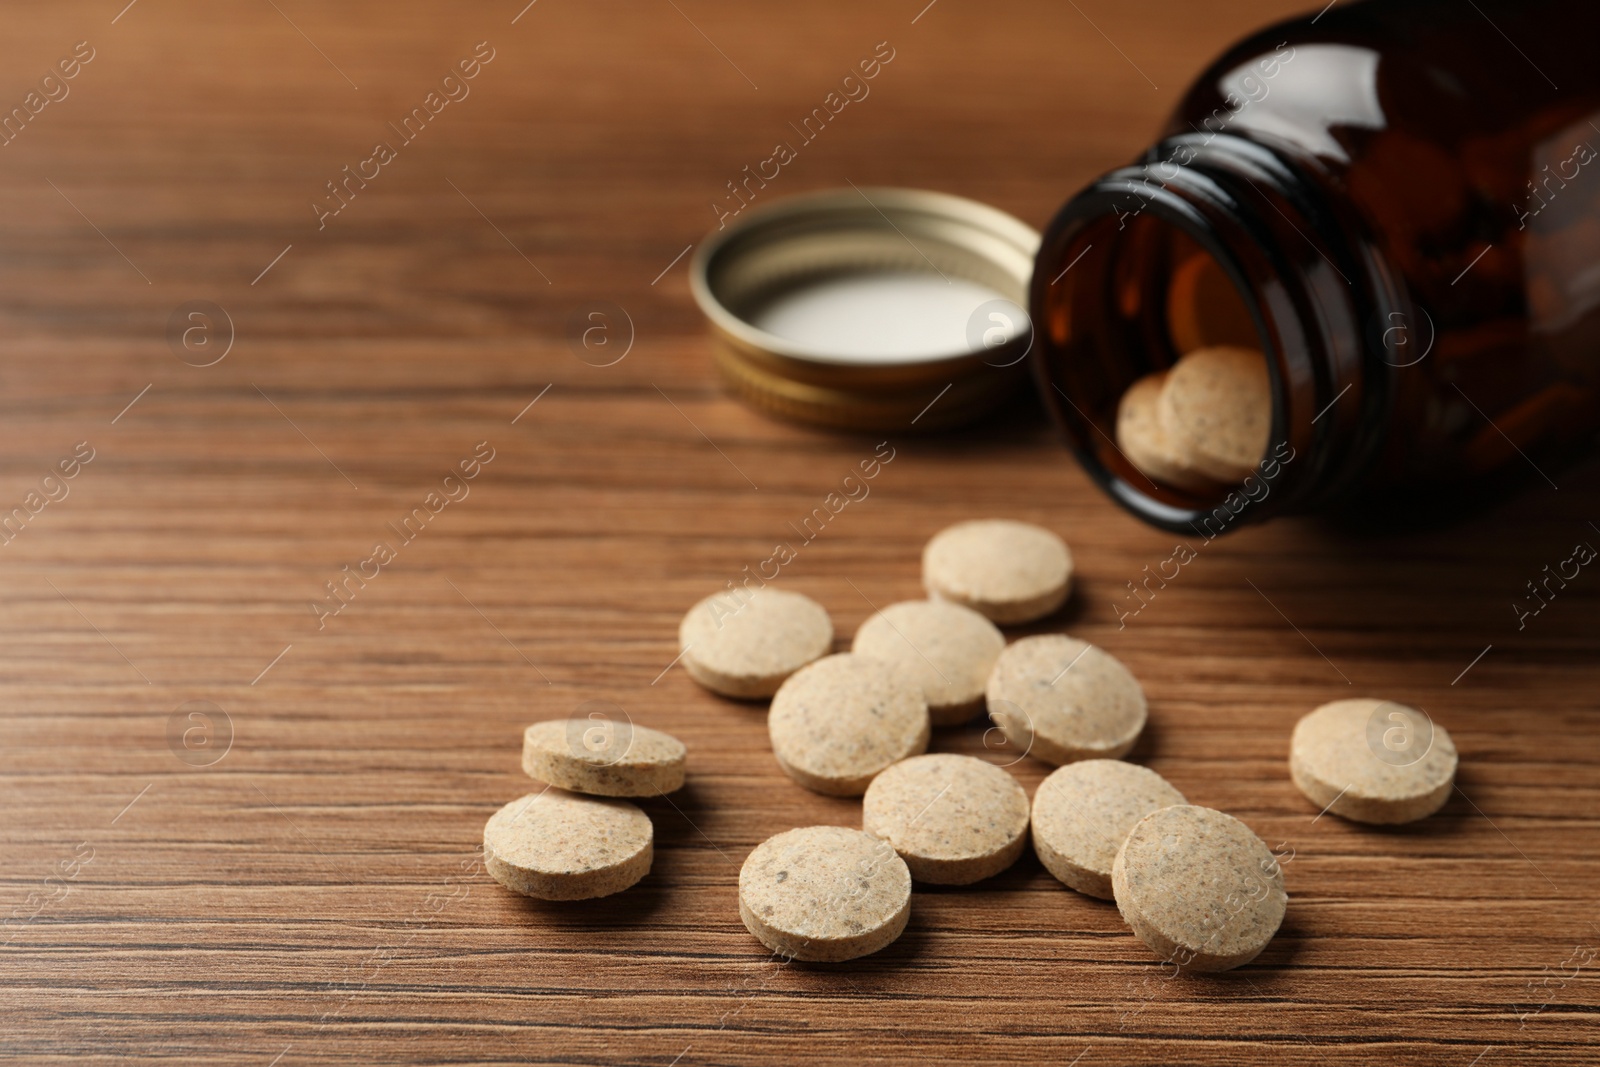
(1437, 135)
(1445, 75)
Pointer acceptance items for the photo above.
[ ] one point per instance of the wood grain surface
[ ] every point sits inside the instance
(313, 895)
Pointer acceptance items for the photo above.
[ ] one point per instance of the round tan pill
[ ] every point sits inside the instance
(844, 718)
(1010, 572)
(557, 845)
(1060, 699)
(955, 820)
(1146, 444)
(603, 757)
(1083, 812)
(1199, 888)
(1373, 761)
(1216, 407)
(824, 893)
(745, 643)
(947, 648)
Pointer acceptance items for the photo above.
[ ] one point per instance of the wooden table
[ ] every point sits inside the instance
(237, 830)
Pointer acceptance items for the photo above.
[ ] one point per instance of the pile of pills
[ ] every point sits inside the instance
(859, 724)
(574, 839)
(1204, 424)
(1196, 885)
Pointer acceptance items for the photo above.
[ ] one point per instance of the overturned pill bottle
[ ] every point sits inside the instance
(1359, 273)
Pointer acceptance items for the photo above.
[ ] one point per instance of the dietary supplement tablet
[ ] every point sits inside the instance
(1199, 888)
(603, 757)
(947, 648)
(1216, 407)
(1060, 699)
(1373, 761)
(844, 718)
(557, 845)
(954, 819)
(1147, 445)
(824, 893)
(1084, 811)
(745, 643)
(1009, 572)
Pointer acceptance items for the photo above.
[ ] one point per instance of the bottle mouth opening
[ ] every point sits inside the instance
(1158, 355)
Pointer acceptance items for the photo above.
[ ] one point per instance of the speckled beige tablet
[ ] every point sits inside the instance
(1199, 887)
(744, 643)
(557, 845)
(1216, 407)
(844, 718)
(1060, 699)
(603, 757)
(1082, 813)
(824, 893)
(1373, 761)
(947, 648)
(954, 819)
(1146, 444)
(1010, 572)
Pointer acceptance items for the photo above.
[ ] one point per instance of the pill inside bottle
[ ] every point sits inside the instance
(1203, 423)
(1177, 377)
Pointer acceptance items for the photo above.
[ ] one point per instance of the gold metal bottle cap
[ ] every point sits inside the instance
(871, 308)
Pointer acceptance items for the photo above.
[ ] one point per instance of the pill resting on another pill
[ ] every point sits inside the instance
(1147, 444)
(603, 757)
(1216, 407)
(1201, 425)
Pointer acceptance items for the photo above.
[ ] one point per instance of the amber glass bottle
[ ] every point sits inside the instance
(1398, 202)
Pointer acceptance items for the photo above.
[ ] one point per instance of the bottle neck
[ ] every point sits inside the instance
(1329, 314)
